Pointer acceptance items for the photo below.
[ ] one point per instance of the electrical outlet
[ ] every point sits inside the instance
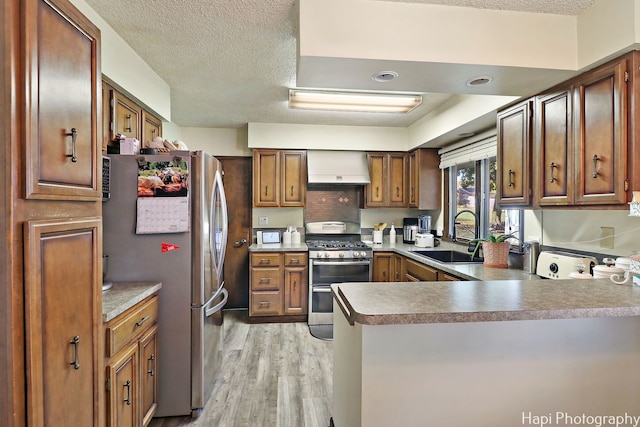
(606, 237)
(263, 220)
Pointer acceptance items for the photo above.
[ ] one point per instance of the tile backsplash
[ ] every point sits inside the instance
(334, 203)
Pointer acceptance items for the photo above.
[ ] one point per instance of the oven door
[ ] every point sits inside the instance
(322, 273)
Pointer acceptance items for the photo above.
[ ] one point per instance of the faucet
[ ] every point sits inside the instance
(475, 231)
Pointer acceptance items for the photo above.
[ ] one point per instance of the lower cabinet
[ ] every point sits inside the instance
(392, 267)
(132, 357)
(278, 286)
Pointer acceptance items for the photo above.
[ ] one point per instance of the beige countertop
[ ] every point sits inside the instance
(278, 247)
(124, 295)
(484, 301)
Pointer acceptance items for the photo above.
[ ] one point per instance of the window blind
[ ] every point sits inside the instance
(480, 147)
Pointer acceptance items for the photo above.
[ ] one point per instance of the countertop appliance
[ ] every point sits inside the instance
(558, 264)
(188, 262)
(409, 230)
(336, 255)
(425, 240)
(531, 253)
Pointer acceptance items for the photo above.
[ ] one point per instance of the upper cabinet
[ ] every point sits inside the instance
(62, 125)
(424, 179)
(123, 116)
(514, 155)
(279, 178)
(389, 181)
(584, 142)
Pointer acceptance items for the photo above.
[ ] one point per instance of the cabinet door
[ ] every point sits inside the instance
(514, 153)
(148, 348)
(413, 179)
(398, 176)
(127, 116)
(63, 304)
(266, 170)
(375, 193)
(295, 290)
(424, 179)
(62, 107)
(600, 100)
(293, 179)
(122, 399)
(553, 141)
(151, 127)
(382, 267)
(398, 268)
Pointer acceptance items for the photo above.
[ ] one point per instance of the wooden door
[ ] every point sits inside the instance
(63, 305)
(600, 99)
(383, 267)
(398, 268)
(398, 177)
(237, 182)
(375, 194)
(63, 127)
(553, 142)
(151, 127)
(122, 377)
(266, 176)
(295, 290)
(514, 153)
(126, 117)
(148, 348)
(293, 178)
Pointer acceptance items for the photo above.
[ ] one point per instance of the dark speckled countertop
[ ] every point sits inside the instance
(476, 301)
(124, 295)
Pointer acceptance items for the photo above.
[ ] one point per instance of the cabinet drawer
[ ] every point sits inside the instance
(131, 324)
(295, 259)
(266, 304)
(268, 259)
(421, 271)
(266, 279)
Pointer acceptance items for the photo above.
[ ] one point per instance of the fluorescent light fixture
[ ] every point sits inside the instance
(353, 101)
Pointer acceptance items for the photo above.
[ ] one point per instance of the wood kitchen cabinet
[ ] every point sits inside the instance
(132, 357)
(388, 267)
(424, 179)
(51, 209)
(389, 174)
(123, 116)
(514, 155)
(418, 272)
(553, 148)
(278, 286)
(279, 178)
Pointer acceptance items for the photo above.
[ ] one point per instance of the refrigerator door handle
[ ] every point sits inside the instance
(209, 311)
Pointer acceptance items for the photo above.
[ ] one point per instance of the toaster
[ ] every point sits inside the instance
(558, 265)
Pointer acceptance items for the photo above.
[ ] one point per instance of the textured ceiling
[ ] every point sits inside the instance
(231, 62)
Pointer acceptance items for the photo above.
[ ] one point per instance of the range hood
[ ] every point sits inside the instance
(337, 167)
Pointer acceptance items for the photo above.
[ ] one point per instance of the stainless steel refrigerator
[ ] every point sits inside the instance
(188, 262)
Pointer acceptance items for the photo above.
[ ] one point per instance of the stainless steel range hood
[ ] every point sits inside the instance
(337, 167)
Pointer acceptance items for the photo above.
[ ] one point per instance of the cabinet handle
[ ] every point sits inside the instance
(265, 303)
(74, 153)
(292, 191)
(397, 191)
(152, 363)
(128, 128)
(265, 261)
(266, 190)
(75, 342)
(384, 276)
(595, 166)
(265, 279)
(128, 387)
(153, 132)
(295, 282)
(377, 191)
(412, 193)
(294, 261)
(552, 166)
(144, 319)
(510, 181)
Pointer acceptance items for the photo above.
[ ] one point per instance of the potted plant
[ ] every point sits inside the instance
(495, 249)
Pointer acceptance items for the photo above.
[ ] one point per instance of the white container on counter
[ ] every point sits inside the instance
(286, 237)
(295, 237)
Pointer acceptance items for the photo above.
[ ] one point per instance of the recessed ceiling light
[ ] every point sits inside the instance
(479, 81)
(353, 101)
(384, 76)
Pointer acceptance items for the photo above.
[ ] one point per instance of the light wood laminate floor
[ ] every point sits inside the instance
(273, 375)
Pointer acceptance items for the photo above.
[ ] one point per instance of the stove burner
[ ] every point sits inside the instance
(336, 244)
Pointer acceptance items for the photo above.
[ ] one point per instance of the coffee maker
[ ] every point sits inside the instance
(409, 230)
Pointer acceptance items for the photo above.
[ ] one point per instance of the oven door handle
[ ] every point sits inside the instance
(321, 288)
(366, 262)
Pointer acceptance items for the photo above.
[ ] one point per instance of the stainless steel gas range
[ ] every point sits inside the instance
(336, 255)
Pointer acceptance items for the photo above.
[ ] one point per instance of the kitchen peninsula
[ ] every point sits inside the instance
(496, 353)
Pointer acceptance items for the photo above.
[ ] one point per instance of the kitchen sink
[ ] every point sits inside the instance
(450, 257)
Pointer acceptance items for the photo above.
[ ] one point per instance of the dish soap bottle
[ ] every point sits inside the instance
(392, 235)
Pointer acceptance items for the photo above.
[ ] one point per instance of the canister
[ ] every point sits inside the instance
(531, 253)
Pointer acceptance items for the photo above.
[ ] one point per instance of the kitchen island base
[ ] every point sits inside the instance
(503, 373)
